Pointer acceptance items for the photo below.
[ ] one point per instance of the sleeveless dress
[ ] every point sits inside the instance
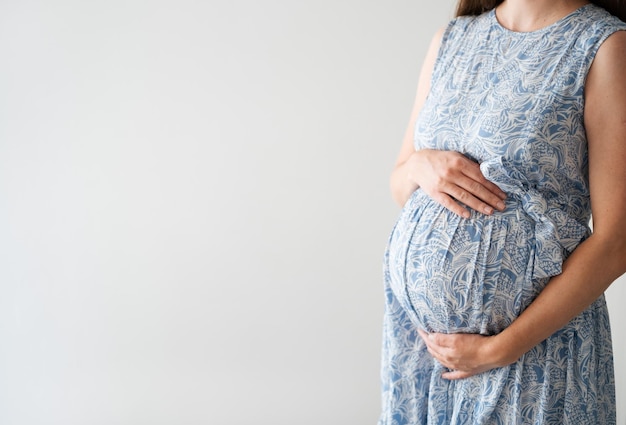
(514, 103)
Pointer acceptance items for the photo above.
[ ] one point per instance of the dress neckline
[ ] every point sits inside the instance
(496, 22)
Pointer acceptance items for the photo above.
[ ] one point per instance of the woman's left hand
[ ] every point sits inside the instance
(465, 354)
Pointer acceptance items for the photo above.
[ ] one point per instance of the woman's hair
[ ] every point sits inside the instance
(476, 7)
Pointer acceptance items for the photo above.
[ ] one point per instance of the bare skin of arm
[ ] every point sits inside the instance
(443, 175)
(596, 262)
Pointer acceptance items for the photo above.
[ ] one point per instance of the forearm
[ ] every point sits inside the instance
(587, 273)
(601, 259)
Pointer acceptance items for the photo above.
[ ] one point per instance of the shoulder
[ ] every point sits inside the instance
(435, 42)
(614, 47)
(605, 89)
(460, 25)
(606, 40)
(598, 25)
(598, 18)
(464, 34)
(609, 63)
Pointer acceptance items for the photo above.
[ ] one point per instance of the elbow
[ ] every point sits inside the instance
(400, 195)
(621, 256)
(397, 194)
(401, 187)
(614, 251)
(397, 197)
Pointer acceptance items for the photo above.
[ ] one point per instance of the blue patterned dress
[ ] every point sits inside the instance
(514, 103)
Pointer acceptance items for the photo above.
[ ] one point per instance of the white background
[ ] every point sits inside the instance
(194, 206)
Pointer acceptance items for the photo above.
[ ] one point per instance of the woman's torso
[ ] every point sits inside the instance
(514, 102)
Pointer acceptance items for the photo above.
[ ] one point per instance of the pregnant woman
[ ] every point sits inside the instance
(494, 282)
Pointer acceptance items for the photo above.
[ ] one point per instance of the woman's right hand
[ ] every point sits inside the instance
(448, 176)
(445, 176)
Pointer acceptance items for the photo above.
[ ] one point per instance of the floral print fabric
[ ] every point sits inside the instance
(513, 102)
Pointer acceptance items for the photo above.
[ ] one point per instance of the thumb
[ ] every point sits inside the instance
(456, 374)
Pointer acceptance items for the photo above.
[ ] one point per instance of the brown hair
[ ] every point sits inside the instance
(476, 7)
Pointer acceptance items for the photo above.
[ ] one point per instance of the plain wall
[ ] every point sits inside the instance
(194, 206)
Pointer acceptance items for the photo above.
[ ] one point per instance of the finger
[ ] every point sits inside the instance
(472, 170)
(466, 197)
(438, 352)
(431, 346)
(427, 340)
(449, 203)
(456, 374)
(423, 334)
(444, 354)
(476, 174)
(483, 191)
(494, 188)
(444, 343)
(437, 356)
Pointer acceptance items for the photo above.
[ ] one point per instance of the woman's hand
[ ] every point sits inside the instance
(465, 354)
(447, 176)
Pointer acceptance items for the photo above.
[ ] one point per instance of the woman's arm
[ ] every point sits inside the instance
(596, 262)
(443, 175)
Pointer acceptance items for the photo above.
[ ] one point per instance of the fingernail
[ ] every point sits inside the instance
(466, 214)
(501, 205)
(488, 210)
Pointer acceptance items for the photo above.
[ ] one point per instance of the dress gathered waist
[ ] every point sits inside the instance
(557, 233)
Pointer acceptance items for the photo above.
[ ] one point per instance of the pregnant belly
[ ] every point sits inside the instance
(462, 275)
